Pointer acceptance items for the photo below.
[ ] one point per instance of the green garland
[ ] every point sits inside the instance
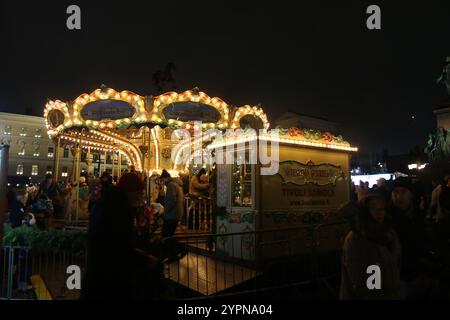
(48, 241)
(312, 134)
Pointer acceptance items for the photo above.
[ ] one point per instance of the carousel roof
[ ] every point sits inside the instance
(108, 109)
(107, 120)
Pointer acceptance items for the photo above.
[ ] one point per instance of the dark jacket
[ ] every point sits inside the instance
(16, 213)
(410, 228)
(52, 190)
(370, 243)
(115, 268)
(174, 200)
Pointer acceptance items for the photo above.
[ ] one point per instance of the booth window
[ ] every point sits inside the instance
(34, 170)
(66, 153)
(242, 185)
(19, 170)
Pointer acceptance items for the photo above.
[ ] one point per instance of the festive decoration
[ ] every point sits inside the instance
(248, 110)
(166, 153)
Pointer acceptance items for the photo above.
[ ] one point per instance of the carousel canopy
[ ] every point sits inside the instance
(107, 120)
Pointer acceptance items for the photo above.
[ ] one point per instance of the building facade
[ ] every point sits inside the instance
(31, 152)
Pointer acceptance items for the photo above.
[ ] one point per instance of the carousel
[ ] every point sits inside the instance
(137, 132)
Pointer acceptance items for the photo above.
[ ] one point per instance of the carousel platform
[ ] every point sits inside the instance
(207, 275)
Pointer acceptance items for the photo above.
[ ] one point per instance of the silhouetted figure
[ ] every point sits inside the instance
(115, 268)
(371, 241)
(409, 223)
(173, 211)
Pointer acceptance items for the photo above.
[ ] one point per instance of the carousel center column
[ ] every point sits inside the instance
(104, 161)
(90, 168)
(119, 166)
(56, 159)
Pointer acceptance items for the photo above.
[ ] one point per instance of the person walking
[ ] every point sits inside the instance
(409, 223)
(173, 210)
(371, 242)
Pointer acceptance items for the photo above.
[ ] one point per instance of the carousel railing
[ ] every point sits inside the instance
(259, 261)
(29, 275)
(214, 264)
(198, 213)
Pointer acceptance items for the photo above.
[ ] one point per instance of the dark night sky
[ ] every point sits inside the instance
(316, 58)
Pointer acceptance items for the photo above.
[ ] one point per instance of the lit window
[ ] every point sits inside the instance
(49, 170)
(34, 170)
(50, 152)
(242, 185)
(23, 132)
(21, 152)
(19, 170)
(7, 130)
(64, 172)
(38, 133)
(36, 154)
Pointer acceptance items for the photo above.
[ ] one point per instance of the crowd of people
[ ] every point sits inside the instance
(125, 256)
(399, 225)
(404, 229)
(119, 244)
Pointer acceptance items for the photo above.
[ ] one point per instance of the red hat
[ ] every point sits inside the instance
(130, 182)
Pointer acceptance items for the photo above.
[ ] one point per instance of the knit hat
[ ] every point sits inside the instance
(130, 182)
(165, 174)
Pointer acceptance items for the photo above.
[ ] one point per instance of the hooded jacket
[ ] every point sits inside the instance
(174, 200)
(370, 243)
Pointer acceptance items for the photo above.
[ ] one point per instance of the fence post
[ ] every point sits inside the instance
(10, 272)
(4, 155)
(314, 261)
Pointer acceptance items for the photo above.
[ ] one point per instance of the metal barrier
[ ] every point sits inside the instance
(253, 262)
(241, 262)
(28, 275)
(198, 213)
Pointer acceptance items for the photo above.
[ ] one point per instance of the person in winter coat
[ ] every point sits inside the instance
(444, 200)
(371, 241)
(173, 211)
(409, 223)
(116, 268)
(198, 187)
(16, 207)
